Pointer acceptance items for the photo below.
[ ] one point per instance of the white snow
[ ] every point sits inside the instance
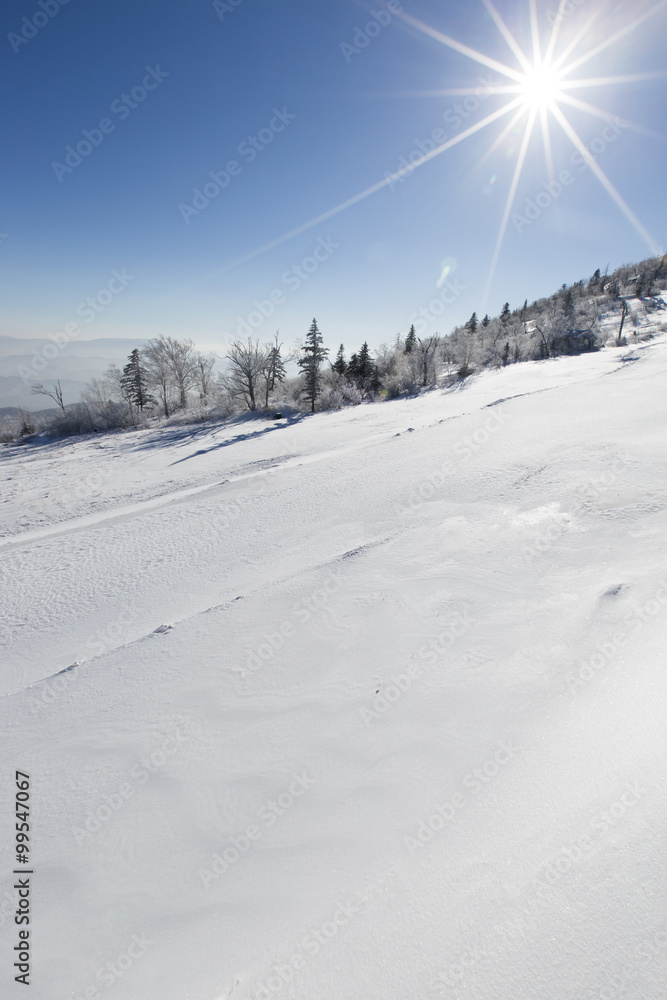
(234, 597)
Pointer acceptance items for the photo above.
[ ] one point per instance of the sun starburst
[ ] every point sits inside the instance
(539, 89)
(541, 86)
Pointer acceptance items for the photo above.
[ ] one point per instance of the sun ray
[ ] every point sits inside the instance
(508, 207)
(546, 139)
(608, 116)
(610, 81)
(551, 45)
(615, 37)
(507, 34)
(503, 135)
(606, 183)
(510, 88)
(535, 32)
(465, 50)
(572, 44)
(388, 180)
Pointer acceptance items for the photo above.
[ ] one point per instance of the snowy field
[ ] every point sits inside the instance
(365, 705)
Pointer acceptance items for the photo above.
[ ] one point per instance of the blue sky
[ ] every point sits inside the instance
(328, 122)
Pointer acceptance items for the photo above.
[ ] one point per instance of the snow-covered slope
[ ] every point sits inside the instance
(366, 705)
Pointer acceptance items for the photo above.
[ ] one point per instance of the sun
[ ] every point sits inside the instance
(540, 88)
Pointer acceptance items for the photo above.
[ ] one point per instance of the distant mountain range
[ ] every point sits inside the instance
(24, 361)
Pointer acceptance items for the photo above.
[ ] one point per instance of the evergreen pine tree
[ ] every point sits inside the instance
(364, 367)
(486, 321)
(313, 356)
(134, 381)
(352, 370)
(410, 341)
(340, 364)
(506, 354)
(505, 314)
(472, 323)
(568, 308)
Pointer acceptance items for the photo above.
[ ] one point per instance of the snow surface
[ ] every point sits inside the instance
(195, 623)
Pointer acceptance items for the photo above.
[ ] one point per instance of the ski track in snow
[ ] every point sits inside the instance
(203, 619)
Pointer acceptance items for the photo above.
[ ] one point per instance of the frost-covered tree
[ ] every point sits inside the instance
(313, 354)
(182, 361)
(247, 365)
(274, 371)
(56, 394)
(204, 364)
(159, 372)
(425, 356)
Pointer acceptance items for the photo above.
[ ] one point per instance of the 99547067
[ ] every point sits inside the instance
(22, 818)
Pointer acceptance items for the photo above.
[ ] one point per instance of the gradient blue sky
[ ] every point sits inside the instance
(354, 119)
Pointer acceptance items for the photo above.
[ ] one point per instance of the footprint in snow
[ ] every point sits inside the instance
(162, 628)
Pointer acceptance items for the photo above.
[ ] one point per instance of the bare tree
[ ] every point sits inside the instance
(159, 371)
(247, 365)
(182, 361)
(99, 392)
(425, 355)
(56, 394)
(204, 364)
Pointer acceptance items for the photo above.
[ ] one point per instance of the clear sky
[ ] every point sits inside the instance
(298, 107)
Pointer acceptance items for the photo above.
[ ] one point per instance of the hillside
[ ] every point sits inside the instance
(366, 704)
(75, 362)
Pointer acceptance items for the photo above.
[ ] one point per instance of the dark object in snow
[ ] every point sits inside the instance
(277, 416)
